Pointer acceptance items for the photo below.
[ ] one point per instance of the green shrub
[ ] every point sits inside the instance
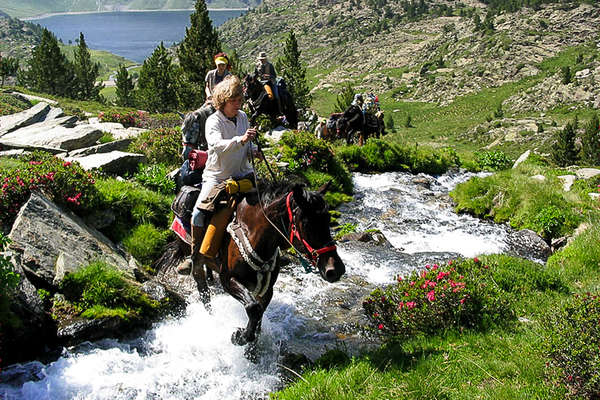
(581, 258)
(146, 243)
(132, 205)
(9, 279)
(344, 229)
(160, 146)
(460, 294)
(10, 104)
(381, 155)
(154, 176)
(101, 289)
(549, 221)
(512, 196)
(313, 159)
(65, 183)
(492, 160)
(572, 345)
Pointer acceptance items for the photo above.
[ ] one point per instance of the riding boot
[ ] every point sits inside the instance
(189, 264)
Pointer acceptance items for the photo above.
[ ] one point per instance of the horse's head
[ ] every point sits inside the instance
(313, 238)
(252, 86)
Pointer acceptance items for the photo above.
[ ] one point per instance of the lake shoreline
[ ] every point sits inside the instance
(42, 16)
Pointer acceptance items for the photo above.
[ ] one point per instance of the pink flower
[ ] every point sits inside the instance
(399, 278)
(412, 283)
(462, 301)
(66, 163)
(410, 305)
(400, 305)
(431, 296)
(435, 266)
(380, 326)
(476, 260)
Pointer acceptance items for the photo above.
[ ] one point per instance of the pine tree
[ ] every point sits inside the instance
(294, 72)
(86, 73)
(8, 67)
(200, 44)
(125, 86)
(48, 70)
(157, 86)
(563, 153)
(590, 142)
(344, 99)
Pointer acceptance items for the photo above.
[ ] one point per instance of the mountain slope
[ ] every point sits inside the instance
(434, 59)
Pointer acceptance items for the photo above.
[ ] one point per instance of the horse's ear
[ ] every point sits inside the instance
(323, 189)
(300, 196)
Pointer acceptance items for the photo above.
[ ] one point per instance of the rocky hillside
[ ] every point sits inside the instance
(30, 8)
(17, 38)
(435, 57)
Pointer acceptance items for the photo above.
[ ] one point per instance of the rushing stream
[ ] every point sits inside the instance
(191, 356)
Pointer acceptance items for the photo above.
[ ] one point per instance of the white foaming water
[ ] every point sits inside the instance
(188, 358)
(419, 224)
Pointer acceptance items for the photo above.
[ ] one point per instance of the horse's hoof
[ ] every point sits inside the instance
(238, 338)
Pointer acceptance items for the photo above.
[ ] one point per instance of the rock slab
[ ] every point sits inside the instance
(48, 242)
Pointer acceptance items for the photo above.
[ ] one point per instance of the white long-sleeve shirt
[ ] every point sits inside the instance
(227, 156)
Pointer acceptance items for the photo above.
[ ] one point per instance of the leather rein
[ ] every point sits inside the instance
(295, 234)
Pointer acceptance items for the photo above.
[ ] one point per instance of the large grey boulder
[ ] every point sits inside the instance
(117, 130)
(42, 127)
(114, 162)
(118, 145)
(48, 242)
(521, 159)
(9, 123)
(587, 173)
(58, 136)
(528, 244)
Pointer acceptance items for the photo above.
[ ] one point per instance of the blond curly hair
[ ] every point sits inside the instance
(229, 88)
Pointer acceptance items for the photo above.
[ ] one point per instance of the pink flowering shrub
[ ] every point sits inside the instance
(460, 294)
(65, 183)
(572, 345)
(160, 146)
(128, 119)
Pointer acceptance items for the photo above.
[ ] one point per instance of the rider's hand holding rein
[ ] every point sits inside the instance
(249, 135)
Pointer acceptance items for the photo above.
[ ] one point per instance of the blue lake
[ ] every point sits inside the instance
(133, 35)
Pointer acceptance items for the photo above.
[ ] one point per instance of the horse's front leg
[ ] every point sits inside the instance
(254, 310)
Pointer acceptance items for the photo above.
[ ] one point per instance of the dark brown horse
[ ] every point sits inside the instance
(353, 123)
(247, 264)
(261, 102)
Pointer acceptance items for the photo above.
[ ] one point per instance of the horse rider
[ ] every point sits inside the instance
(192, 129)
(229, 139)
(266, 71)
(215, 76)
(358, 102)
(321, 129)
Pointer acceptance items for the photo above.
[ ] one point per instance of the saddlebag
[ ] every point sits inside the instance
(184, 202)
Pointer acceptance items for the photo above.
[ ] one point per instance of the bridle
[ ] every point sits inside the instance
(295, 234)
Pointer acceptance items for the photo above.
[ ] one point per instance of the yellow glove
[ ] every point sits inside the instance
(232, 186)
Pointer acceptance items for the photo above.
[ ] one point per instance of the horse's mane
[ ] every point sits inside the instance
(270, 191)
(273, 191)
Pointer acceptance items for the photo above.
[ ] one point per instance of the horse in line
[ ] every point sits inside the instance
(260, 99)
